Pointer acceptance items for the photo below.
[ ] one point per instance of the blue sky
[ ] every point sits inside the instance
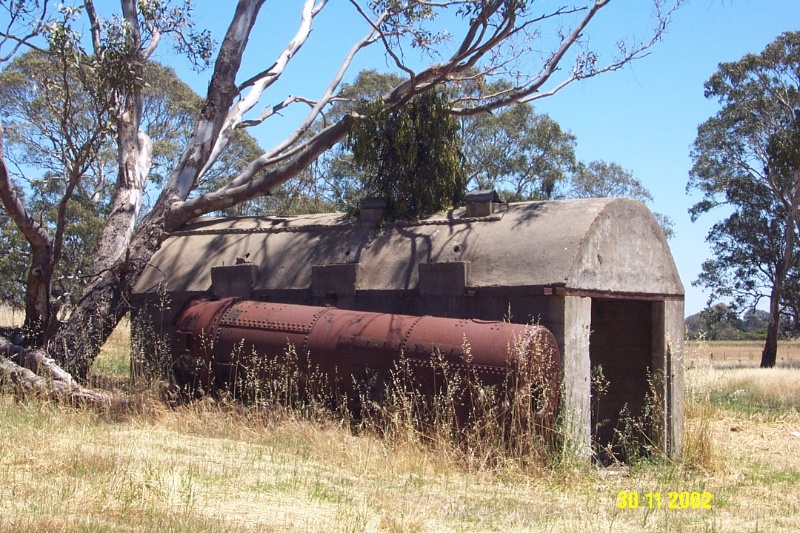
(643, 117)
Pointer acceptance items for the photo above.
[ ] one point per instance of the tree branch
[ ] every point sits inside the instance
(382, 36)
(222, 91)
(475, 45)
(94, 27)
(155, 39)
(262, 185)
(276, 109)
(17, 10)
(280, 153)
(261, 82)
(34, 232)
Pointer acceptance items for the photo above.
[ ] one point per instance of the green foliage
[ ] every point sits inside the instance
(411, 155)
(197, 46)
(83, 222)
(521, 154)
(302, 194)
(52, 123)
(599, 179)
(341, 181)
(721, 322)
(747, 245)
(14, 259)
(759, 98)
(56, 133)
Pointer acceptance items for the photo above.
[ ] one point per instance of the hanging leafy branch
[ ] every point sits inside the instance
(411, 155)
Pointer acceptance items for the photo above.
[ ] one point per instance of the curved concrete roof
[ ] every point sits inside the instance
(608, 245)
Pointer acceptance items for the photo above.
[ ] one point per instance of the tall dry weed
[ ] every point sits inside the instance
(464, 419)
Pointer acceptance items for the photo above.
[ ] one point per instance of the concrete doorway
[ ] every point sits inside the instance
(621, 343)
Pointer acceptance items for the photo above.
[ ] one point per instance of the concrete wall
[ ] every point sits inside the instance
(537, 262)
(602, 245)
(674, 333)
(633, 340)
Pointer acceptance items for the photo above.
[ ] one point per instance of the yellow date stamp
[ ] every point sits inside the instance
(630, 499)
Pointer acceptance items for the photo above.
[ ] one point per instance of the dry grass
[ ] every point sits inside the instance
(112, 366)
(218, 467)
(739, 353)
(10, 316)
(215, 468)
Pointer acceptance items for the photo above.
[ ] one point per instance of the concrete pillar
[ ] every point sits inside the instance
(668, 366)
(576, 399)
(674, 334)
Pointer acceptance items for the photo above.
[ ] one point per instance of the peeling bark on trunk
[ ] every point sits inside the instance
(222, 91)
(134, 153)
(133, 156)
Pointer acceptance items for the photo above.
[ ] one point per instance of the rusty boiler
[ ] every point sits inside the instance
(224, 344)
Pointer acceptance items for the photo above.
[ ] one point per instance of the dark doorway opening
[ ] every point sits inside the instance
(621, 347)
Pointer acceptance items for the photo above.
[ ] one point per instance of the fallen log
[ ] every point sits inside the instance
(32, 371)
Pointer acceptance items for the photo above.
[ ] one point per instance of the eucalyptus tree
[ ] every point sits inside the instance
(96, 92)
(541, 47)
(747, 158)
(62, 153)
(52, 124)
(749, 247)
(522, 154)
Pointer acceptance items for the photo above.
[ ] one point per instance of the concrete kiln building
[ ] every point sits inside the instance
(598, 273)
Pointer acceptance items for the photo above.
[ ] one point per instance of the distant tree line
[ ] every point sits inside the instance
(721, 323)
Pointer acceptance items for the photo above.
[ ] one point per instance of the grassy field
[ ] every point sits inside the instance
(731, 354)
(218, 467)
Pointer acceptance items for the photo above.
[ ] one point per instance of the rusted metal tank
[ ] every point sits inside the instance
(220, 344)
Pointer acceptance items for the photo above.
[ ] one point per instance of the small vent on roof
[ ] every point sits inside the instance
(481, 203)
(373, 209)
